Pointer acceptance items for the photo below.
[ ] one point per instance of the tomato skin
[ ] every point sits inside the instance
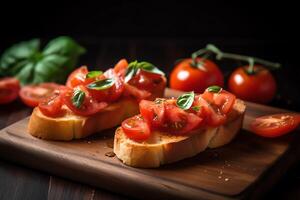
(89, 105)
(259, 87)
(120, 67)
(276, 125)
(31, 95)
(187, 78)
(153, 113)
(9, 90)
(136, 128)
(77, 77)
(146, 80)
(51, 106)
(130, 90)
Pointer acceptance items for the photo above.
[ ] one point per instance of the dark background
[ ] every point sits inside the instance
(161, 32)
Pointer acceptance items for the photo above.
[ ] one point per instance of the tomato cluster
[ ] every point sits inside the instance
(207, 109)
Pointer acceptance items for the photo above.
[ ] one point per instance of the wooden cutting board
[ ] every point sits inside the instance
(245, 168)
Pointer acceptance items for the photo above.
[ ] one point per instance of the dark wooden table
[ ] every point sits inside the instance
(19, 182)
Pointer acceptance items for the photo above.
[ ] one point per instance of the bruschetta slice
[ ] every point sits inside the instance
(93, 101)
(169, 130)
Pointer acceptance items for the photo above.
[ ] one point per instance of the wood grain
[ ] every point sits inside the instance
(228, 172)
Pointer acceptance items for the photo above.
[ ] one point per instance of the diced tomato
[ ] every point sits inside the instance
(31, 95)
(153, 112)
(146, 80)
(136, 128)
(223, 100)
(179, 121)
(209, 112)
(112, 93)
(9, 90)
(89, 105)
(78, 77)
(120, 67)
(51, 106)
(275, 125)
(134, 91)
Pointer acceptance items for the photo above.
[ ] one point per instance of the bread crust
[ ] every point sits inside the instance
(163, 149)
(70, 126)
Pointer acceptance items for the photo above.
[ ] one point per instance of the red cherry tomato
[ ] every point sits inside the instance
(112, 93)
(259, 87)
(136, 128)
(51, 106)
(187, 78)
(210, 113)
(275, 125)
(178, 121)
(120, 67)
(223, 100)
(146, 80)
(134, 91)
(31, 95)
(153, 112)
(78, 77)
(9, 90)
(89, 105)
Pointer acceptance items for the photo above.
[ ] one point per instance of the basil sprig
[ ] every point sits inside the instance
(186, 100)
(214, 89)
(93, 74)
(102, 84)
(31, 64)
(134, 66)
(78, 98)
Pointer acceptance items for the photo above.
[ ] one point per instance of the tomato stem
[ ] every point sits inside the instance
(251, 60)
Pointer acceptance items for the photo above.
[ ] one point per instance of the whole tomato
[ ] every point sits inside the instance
(258, 86)
(187, 77)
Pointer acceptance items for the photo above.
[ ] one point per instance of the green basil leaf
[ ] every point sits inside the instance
(214, 89)
(146, 66)
(196, 108)
(25, 74)
(186, 100)
(93, 74)
(102, 84)
(78, 98)
(134, 66)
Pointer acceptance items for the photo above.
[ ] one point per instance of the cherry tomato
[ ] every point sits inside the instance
(178, 121)
(89, 105)
(136, 128)
(185, 77)
(259, 87)
(112, 93)
(223, 100)
(120, 67)
(9, 90)
(78, 77)
(51, 105)
(209, 112)
(144, 80)
(153, 112)
(31, 95)
(134, 91)
(275, 125)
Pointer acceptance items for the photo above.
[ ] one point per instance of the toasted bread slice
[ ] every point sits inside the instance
(70, 126)
(164, 148)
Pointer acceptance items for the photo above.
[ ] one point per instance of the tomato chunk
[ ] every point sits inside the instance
(9, 90)
(136, 128)
(32, 95)
(275, 125)
(88, 107)
(51, 106)
(153, 112)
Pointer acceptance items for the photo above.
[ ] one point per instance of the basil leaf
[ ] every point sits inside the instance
(27, 62)
(186, 100)
(102, 84)
(196, 108)
(146, 66)
(93, 74)
(78, 98)
(214, 89)
(134, 66)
